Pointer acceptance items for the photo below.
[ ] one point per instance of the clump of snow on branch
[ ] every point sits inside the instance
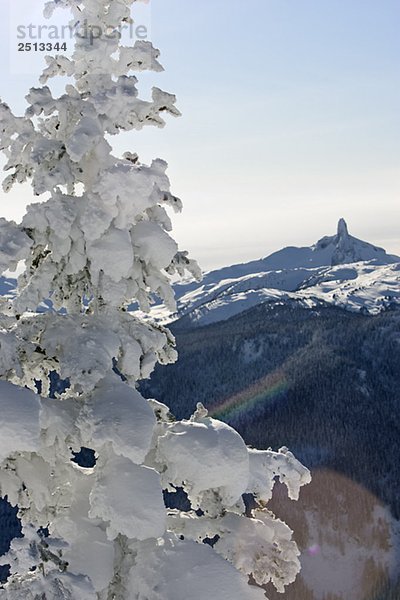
(100, 240)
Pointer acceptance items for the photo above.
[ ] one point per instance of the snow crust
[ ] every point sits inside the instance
(118, 415)
(128, 497)
(19, 424)
(204, 454)
(15, 245)
(280, 464)
(185, 570)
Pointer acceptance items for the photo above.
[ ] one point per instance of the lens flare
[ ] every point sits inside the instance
(314, 550)
(346, 536)
(257, 395)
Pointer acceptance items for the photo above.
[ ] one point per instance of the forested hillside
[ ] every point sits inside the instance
(326, 383)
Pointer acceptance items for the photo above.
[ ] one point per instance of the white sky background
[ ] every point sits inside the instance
(290, 119)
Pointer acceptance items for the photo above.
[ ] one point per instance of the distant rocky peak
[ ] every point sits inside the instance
(349, 249)
(342, 248)
(342, 230)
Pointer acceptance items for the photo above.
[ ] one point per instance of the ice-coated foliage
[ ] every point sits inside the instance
(98, 241)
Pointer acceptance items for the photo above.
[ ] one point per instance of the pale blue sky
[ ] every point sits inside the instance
(290, 120)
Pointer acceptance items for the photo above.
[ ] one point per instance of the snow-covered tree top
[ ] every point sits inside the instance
(104, 232)
(101, 240)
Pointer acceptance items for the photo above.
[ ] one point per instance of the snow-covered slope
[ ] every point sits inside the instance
(339, 269)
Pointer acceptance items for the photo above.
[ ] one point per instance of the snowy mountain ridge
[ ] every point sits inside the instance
(339, 270)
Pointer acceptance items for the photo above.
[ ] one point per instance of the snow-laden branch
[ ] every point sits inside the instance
(141, 451)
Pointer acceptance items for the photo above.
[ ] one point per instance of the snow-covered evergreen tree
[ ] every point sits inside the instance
(98, 242)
